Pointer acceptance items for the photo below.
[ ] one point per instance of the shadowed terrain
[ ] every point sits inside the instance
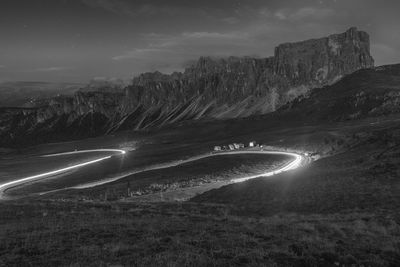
(340, 210)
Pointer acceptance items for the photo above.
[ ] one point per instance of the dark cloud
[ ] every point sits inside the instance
(120, 38)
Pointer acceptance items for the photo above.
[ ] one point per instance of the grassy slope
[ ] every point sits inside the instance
(340, 210)
(365, 177)
(55, 234)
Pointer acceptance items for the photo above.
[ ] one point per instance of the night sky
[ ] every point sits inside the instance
(76, 40)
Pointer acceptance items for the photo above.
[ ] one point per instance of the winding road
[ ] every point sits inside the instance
(37, 177)
(297, 161)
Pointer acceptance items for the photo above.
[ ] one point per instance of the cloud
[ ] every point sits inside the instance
(280, 15)
(114, 6)
(251, 31)
(264, 12)
(313, 13)
(230, 20)
(304, 13)
(132, 9)
(210, 35)
(186, 43)
(171, 52)
(50, 69)
(138, 53)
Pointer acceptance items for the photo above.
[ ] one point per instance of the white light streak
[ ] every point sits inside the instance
(7, 185)
(290, 166)
(85, 151)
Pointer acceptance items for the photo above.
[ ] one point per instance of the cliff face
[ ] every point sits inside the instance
(216, 88)
(321, 61)
(245, 86)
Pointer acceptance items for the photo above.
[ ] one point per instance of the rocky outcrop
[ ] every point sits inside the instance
(322, 61)
(214, 88)
(245, 86)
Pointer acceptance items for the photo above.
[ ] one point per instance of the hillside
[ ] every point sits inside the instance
(341, 210)
(366, 93)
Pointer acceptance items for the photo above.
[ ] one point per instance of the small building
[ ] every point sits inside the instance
(217, 148)
(231, 147)
(252, 144)
(241, 145)
(236, 146)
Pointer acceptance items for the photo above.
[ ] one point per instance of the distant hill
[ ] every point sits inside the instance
(102, 84)
(24, 93)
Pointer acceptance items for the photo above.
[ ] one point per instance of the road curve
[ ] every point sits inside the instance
(297, 161)
(7, 185)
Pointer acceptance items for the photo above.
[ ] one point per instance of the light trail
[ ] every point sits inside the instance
(8, 185)
(298, 159)
(85, 151)
(290, 166)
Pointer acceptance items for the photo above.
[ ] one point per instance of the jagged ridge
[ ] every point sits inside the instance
(214, 88)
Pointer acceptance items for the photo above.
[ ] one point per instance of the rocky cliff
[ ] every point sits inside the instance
(214, 88)
(236, 87)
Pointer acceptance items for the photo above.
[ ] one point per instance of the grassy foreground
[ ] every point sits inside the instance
(56, 234)
(342, 210)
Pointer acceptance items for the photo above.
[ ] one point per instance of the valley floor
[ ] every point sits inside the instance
(342, 210)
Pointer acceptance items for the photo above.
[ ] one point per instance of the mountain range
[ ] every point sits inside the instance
(211, 88)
